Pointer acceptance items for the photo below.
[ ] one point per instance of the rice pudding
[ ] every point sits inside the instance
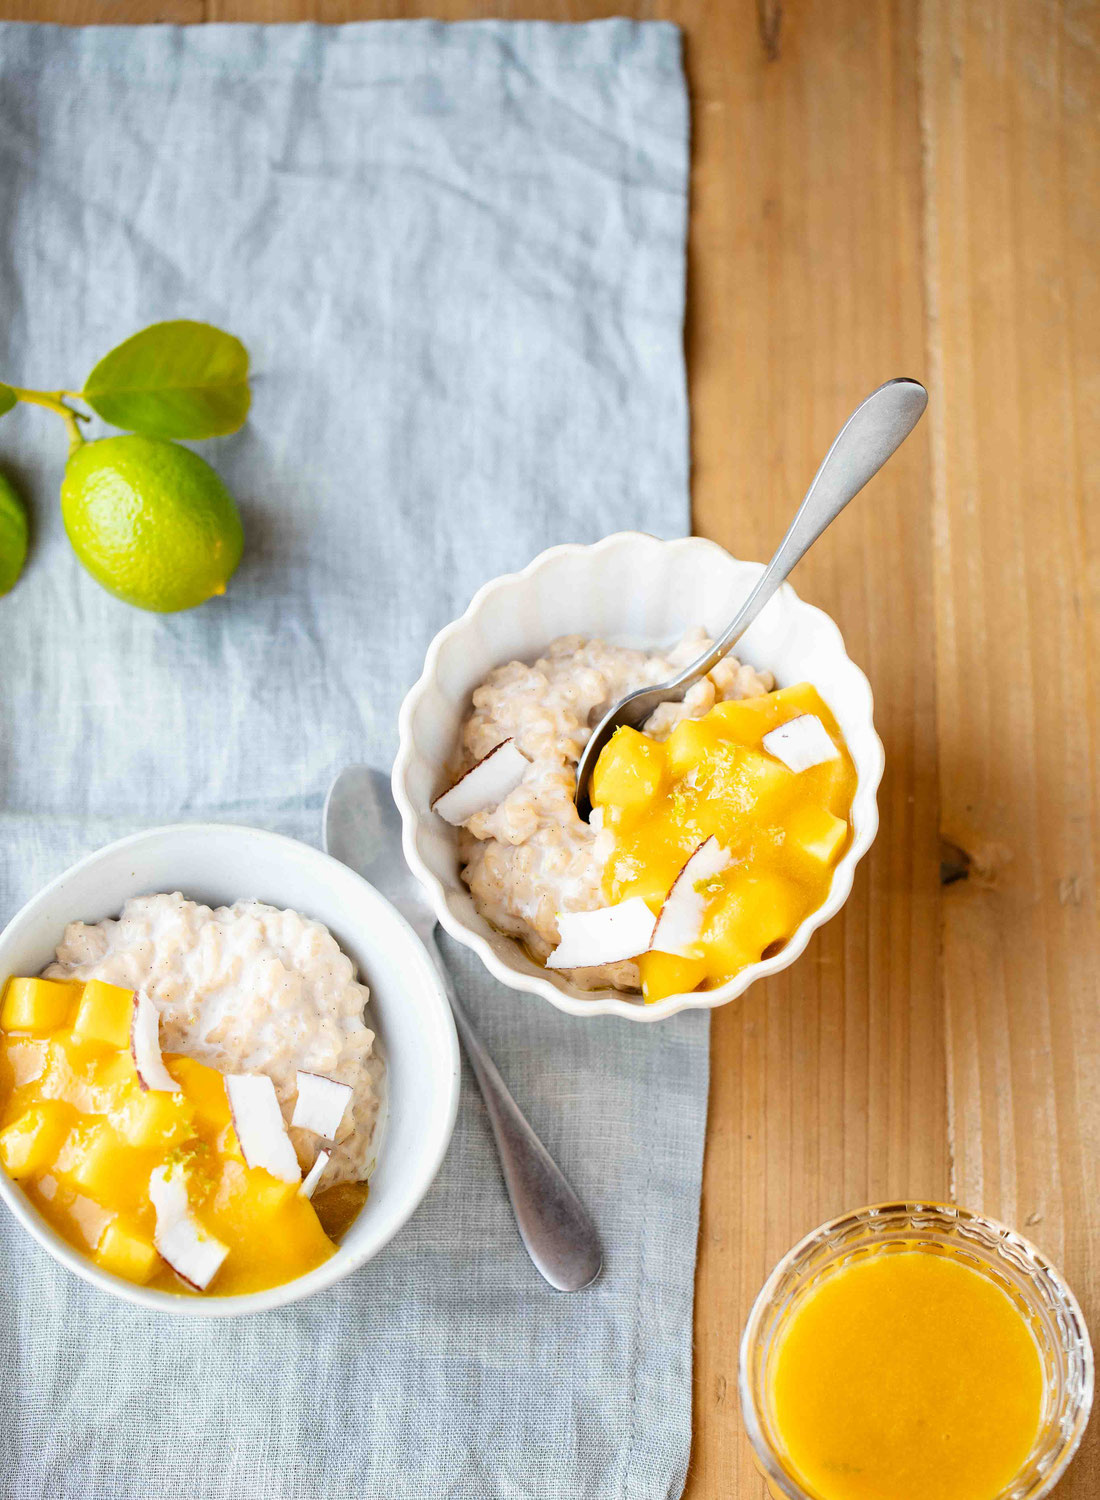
(531, 857)
(245, 989)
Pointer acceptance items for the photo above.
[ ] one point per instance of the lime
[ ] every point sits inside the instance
(151, 521)
(13, 536)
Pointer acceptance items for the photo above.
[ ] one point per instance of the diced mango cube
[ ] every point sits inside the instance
(205, 1088)
(115, 1069)
(757, 912)
(774, 908)
(104, 1014)
(688, 745)
(650, 882)
(94, 1160)
(151, 1117)
(38, 1005)
(734, 782)
(24, 1061)
(31, 1142)
(816, 832)
(746, 720)
(668, 974)
(126, 1253)
(727, 949)
(763, 776)
(244, 1197)
(65, 1075)
(629, 772)
(833, 784)
(265, 1193)
(802, 698)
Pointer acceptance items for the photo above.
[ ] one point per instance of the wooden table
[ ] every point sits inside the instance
(884, 189)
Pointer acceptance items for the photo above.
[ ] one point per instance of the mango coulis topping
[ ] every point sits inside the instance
(783, 831)
(909, 1373)
(82, 1138)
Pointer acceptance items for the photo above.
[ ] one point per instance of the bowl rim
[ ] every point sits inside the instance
(603, 1002)
(337, 1266)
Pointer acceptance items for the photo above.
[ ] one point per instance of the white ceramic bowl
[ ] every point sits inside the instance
(630, 589)
(219, 864)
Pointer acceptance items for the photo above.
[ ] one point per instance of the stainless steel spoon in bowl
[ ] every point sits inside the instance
(875, 430)
(362, 829)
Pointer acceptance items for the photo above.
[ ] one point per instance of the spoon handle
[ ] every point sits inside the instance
(875, 430)
(553, 1223)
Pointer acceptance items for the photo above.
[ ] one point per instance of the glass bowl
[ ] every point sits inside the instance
(1021, 1271)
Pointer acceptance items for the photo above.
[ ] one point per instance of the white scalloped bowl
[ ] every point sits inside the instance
(630, 589)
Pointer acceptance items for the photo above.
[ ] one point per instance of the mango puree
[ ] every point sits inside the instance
(81, 1137)
(906, 1375)
(784, 831)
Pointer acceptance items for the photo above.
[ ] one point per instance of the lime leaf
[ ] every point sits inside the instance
(8, 398)
(173, 380)
(14, 532)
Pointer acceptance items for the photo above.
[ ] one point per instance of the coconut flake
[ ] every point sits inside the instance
(680, 920)
(604, 936)
(801, 743)
(485, 785)
(320, 1104)
(313, 1176)
(145, 1047)
(179, 1237)
(260, 1126)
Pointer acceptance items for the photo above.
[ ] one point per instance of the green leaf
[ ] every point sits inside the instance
(173, 380)
(8, 398)
(14, 532)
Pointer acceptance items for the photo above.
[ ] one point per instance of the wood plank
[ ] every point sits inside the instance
(103, 12)
(1012, 141)
(828, 1084)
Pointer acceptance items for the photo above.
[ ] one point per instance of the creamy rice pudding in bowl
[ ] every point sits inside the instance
(228, 1071)
(723, 834)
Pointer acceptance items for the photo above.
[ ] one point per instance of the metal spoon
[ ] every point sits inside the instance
(875, 430)
(362, 828)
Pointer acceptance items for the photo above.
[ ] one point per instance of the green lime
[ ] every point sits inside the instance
(151, 521)
(13, 536)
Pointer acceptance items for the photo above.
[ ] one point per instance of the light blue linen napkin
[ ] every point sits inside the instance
(457, 257)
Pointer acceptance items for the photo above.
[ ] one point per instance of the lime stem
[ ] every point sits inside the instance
(52, 401)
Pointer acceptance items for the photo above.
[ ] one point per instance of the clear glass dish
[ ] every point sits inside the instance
(1038, 1290)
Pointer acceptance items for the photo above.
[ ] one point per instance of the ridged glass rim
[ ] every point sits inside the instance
(1066, 1406)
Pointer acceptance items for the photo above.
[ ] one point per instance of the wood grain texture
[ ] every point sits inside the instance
(103, 12)
(1009, 118)
(828, 1082)
(887, 187)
